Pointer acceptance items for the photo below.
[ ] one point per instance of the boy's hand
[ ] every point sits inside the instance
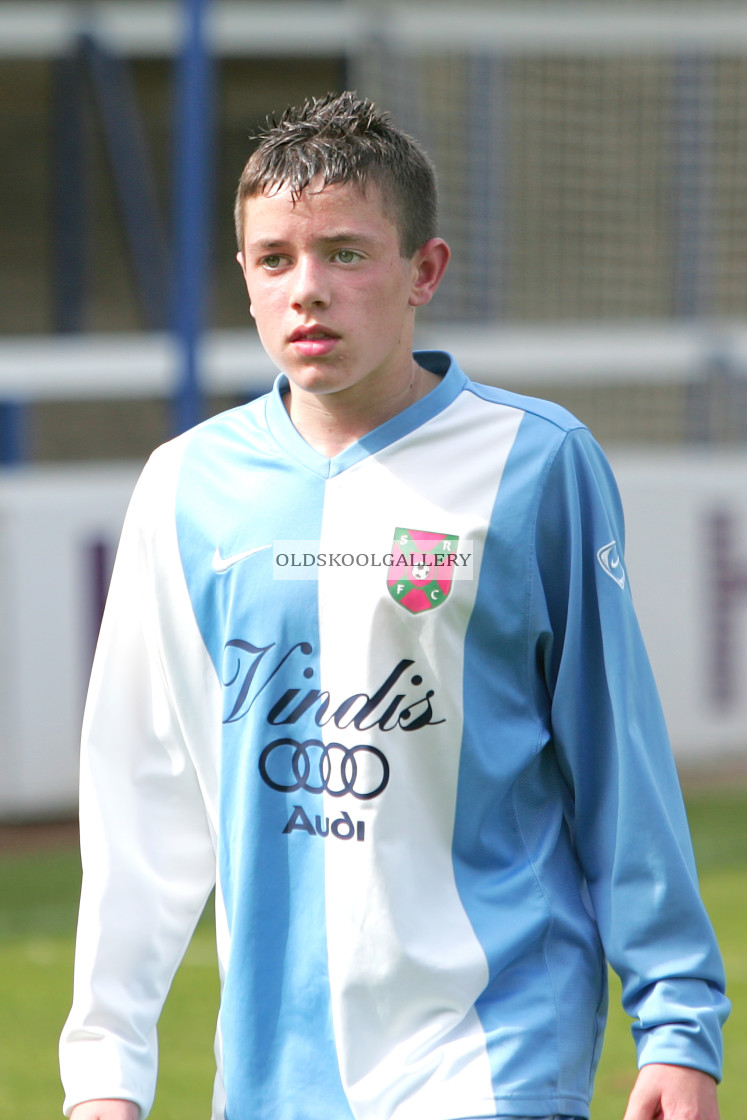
(105, 1110)
(663, 1092)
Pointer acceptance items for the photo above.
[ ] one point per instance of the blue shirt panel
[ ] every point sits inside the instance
(238, 492)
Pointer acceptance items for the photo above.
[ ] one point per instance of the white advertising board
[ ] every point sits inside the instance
(686, 558)
(58, 532)
(686, 516)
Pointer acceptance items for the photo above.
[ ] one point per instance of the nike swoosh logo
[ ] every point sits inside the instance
(221, 564)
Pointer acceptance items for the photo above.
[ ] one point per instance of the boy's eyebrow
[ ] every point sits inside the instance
(267, 243)
(350, 237)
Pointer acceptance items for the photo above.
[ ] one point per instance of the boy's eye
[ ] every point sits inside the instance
(274, 260)
(346, 256)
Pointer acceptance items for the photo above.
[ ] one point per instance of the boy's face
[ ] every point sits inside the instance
(333, 298)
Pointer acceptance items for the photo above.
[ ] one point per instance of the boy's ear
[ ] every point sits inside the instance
(429, 266)
(242, 266)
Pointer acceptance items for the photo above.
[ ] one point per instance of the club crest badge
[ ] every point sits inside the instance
(422, 569)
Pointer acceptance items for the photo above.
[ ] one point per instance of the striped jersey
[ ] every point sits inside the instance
(395, 706)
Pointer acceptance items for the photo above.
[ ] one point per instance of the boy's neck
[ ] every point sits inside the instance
(330, 422)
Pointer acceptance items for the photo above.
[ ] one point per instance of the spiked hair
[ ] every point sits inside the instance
(341, 138)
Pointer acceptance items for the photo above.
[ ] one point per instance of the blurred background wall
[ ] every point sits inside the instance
(593, 166)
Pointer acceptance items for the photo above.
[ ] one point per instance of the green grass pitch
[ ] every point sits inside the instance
(38, 896)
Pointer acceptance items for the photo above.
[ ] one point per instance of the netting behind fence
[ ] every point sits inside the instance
(578, 186)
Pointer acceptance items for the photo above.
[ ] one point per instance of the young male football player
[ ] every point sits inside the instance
(432, 783)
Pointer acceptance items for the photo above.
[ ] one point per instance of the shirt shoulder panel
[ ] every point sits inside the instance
(553, 413)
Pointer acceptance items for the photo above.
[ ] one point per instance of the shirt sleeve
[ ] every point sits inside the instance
(627, 816)
(146, 840)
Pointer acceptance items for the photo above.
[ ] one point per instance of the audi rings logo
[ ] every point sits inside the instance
(287, 765)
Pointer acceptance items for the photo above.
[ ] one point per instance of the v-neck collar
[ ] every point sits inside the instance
(412, 417)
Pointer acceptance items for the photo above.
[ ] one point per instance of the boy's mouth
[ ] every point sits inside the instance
(313, 341)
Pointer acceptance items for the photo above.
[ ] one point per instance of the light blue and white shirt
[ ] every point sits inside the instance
(432, 783)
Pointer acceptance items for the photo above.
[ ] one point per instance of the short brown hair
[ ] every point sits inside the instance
(341, 138)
